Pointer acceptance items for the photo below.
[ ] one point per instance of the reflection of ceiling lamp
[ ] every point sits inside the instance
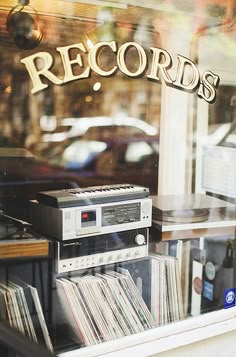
(105, 29)
(23, 27)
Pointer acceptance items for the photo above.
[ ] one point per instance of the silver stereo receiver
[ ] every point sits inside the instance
(100, 250)
(89, 220)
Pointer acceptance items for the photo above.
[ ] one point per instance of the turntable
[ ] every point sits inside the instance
(191, 215)
(18, 240)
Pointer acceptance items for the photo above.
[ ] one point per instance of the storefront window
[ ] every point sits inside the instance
(117, 167)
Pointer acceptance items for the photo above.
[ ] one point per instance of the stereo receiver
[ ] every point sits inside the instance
(100, 250)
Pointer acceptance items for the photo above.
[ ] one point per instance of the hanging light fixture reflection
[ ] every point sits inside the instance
(23, 27)
(105, 31)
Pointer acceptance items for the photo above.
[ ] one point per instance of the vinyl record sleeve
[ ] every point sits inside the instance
(7, 312)
(32, 312)
(105, 308)
(159, 281)
(41, 318)
(100, 306)
(112, 301)
(135, 298)
(26, 319)
(87, 294)
(131, 313)
(179, 291)
(68, 311)
(11, 308)
(3, 309)
(12, 292)
(91, 327)
(116, 305)
(114, 288)
(23, 292)
(108, 301)
(156, 290)
(77, 312)
(124, 308)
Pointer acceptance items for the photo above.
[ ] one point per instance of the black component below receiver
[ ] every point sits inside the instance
(100, 250)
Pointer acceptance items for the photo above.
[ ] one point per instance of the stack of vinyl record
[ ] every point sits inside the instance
(103, 307)
(20, 307)
(166, 294)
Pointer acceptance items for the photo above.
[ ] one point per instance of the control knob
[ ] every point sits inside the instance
(139, 239)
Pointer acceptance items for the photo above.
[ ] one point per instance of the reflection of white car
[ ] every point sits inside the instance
(81, 152)
(132, 159)
(223, 134)
(74, 127)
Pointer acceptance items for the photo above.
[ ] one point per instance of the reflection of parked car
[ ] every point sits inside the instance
(123, 160)
(74, 127)
(223, 134)
(229, 139)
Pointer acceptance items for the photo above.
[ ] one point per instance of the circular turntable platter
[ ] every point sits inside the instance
(186, 215)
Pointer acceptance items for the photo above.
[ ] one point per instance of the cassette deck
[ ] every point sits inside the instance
(84, 221)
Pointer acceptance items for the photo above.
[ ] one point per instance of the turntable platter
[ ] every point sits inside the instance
(186, 215)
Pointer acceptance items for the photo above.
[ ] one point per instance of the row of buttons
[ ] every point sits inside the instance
(101, 259)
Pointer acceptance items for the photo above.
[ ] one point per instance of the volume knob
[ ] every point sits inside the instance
(139, 239)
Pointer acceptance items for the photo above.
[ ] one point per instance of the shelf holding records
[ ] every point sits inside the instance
(199, 246)
(117, 300)
(102, 306)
